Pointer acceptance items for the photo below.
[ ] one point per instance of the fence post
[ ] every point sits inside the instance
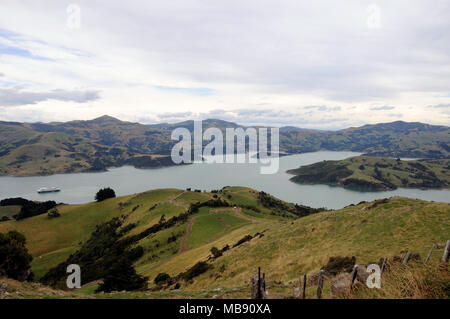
(429, 254)
(320, 284)
(258, 293)
(406, 259)
(304, 287)
(354, 274)
(446, 252)
(259, 286)
(264, 282)
(383, 265)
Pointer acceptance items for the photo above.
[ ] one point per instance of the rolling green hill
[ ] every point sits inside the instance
(78, 146)
(372, 173)
(251, 230)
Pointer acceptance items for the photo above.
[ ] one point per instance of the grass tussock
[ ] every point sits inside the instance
(413, 281)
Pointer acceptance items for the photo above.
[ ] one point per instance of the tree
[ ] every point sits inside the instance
(122, 276)
(14, 257)
(161, 278)
(105, 193)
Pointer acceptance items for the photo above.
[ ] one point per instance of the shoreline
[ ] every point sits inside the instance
(369, 189)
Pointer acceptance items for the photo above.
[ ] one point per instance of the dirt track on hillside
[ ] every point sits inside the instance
(240, 215)
(183, 242)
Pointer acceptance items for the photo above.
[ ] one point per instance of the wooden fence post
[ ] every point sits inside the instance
(383, 265)
(259, 286)
(304, 287)
(258, 294)
(429, 254)
(446, 252)
(264, 282)
(354, 274)
(406, 259)
(320, 284)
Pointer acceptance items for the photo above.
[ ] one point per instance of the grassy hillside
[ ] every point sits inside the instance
(371, 173)
(78, 146)
(284, 246)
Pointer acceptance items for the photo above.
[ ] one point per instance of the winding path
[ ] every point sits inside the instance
(185, 238)
(240, 215)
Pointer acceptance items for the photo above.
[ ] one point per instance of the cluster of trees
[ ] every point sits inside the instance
(14, 257)
(104, 256)
(196, 270)
(278, 207)
(28, 208)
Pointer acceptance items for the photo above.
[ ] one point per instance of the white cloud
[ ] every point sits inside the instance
(15, 96)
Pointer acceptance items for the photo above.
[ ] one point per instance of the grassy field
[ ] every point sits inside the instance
(9, 211)
(212, 225)
(285, 249)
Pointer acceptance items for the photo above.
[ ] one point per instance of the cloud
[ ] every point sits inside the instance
(382, 108)
(10, 50)
(230, 59)
(253, 117)
(323, 108)
(440, 106)
(16, 97)
(194, 91)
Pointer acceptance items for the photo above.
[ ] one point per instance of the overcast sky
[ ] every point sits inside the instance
(317, 64)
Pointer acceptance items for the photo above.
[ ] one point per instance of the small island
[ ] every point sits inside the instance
(372, 173)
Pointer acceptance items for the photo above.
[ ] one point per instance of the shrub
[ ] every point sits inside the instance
(172, 238)
(244, 239)
(216, 252)
(53, 213)
(161, 278)
(104, 193)
(339, 264)
(196, 270)
(225, 248)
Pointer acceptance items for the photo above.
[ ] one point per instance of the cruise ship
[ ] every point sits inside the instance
(48, 190)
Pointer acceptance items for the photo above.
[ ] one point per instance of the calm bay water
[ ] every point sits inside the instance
(81, 187)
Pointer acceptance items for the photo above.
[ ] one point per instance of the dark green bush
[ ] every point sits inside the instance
(216, 252)
(196, 270)
(161, 278)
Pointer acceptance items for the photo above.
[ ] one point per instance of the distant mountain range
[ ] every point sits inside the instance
(76, 146)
